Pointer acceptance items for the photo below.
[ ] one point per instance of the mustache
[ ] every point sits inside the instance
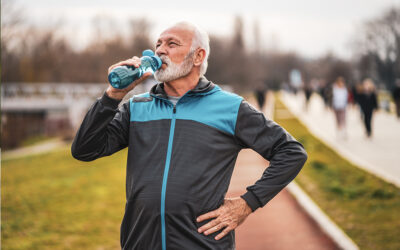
(165, 59)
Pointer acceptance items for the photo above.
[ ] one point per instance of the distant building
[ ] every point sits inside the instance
(49, 109)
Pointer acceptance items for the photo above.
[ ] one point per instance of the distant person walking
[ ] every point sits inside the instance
(260, 96)
(326, 93)
(368, 103)
(307, 93)
(396, 97)
(339, 104)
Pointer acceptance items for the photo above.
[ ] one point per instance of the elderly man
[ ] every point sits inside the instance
(183, 138)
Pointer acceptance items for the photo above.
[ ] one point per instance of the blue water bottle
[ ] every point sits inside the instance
(122, 76)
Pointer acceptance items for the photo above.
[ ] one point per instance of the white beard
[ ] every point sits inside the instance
(173, 70)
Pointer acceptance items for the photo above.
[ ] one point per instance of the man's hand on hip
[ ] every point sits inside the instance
(227, 217)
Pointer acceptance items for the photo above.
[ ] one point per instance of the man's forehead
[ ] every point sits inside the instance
(176, 33)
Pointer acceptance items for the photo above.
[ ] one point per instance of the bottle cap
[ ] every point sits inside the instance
(157, 60)
(147, 52)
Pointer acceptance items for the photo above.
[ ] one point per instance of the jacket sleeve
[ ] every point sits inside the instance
(286, 156)
(104, 130)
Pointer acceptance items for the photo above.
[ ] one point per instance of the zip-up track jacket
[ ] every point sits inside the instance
(181, 159)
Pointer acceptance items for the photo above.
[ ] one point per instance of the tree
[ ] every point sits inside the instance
(329, 68)
(379, 46)
(11, 24)
(140, 36)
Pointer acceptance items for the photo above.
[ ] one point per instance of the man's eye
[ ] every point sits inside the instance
(173, 43)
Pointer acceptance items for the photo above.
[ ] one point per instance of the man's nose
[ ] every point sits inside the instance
(161, 50)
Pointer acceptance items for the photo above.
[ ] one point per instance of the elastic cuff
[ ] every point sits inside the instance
(251, 200)
(109, 102)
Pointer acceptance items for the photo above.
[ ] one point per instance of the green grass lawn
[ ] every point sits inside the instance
(364, 206)
(52, 201)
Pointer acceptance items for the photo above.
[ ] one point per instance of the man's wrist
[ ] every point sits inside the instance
(118, 96)
(247, 208)
(251, 200)
(109, 102)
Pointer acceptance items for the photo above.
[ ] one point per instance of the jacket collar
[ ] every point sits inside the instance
(204, 86)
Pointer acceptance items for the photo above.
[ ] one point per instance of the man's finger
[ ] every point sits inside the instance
(134, 61)
(144, 76)
(223, 233)
(138, 81)
(129, 62)
(216, 228)
(208, 215)
(208, 225)
(147, 74)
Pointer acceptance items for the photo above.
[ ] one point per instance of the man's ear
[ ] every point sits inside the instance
(199, 56)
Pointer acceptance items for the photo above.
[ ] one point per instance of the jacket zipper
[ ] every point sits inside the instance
(165, 178)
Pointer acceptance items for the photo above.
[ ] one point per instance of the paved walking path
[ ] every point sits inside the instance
(379, 155)
(39, 148)
(282, 224)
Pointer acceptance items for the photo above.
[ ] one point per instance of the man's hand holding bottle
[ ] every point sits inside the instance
(126, 75)
(119, 94)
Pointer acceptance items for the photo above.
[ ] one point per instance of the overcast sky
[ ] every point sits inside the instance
(309, 27)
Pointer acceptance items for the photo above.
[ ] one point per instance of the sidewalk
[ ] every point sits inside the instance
(379, 155)
(39, 148)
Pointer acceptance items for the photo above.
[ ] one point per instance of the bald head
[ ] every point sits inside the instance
(199, 39)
